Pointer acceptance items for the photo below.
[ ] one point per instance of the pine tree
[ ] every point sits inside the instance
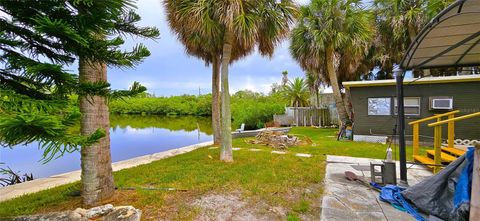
(37, 39)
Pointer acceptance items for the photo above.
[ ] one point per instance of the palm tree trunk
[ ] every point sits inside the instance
(317, 93)
(216, 101)
(348, 104)
(97, 177)
(332, 75)
(226, 153)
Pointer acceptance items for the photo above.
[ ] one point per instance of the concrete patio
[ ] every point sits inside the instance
(348, 200)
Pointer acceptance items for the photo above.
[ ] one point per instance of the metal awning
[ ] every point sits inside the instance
(451, 39)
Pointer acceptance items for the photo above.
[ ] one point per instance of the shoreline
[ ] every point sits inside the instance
(36, 185)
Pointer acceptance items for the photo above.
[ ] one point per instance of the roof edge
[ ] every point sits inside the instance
(424, 80)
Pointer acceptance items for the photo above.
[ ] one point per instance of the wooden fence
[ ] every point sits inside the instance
(307, 116)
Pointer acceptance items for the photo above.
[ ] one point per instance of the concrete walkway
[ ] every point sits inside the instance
(347, 200)
(40, 184)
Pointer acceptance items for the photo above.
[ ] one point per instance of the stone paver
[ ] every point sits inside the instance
(347, 200)
(303, 155)
(236, 148)
(40, 184)
(278, 152)
(255, 150)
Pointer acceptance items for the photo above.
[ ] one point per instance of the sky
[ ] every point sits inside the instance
(170, 71)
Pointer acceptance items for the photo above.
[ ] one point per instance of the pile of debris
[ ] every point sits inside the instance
(275, 139)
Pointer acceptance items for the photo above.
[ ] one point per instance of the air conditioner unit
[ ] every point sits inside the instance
(442, 103)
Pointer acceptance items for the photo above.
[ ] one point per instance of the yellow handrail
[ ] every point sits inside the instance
(438, 135)
(454, 119)
(433, 117)
(416, 129)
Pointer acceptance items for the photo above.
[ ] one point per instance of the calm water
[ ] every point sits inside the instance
(130, 136)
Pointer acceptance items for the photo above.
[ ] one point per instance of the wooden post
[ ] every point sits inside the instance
(416, 139)
(295, 112)
(475, 194)
(451, 132)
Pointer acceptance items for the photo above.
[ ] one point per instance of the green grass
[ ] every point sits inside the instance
(259, 176)
(325, 143)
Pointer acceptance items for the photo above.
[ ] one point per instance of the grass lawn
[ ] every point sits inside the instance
(262, 182)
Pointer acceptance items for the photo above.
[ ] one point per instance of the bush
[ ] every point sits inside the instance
(253, 109)
(175, 105)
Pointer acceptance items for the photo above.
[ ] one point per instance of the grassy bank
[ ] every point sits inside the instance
(266, 182)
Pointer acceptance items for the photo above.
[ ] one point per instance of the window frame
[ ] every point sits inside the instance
(389, 106)
(419, 106)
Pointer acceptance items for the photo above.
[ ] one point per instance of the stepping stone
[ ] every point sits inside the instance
(236, 148)
(278, 152)
(255, 150)
(303, 155)
(211, 148)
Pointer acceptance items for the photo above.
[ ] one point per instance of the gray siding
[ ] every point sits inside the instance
(466, 98)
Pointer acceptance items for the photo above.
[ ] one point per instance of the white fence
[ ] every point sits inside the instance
(307, 116)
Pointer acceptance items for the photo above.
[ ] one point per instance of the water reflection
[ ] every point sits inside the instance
(130, 136)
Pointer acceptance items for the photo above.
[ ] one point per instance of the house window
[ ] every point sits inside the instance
(379, 106)
(411, 106)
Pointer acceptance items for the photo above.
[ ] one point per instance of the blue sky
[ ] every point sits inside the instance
(170, 71)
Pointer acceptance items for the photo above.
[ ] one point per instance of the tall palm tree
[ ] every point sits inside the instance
(206, 47)
(284, 78)
(242, 25)
(203, 44)
(297, 92)
(313, 83)
(329, 33)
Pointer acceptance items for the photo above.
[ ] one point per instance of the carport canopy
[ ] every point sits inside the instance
(451, 39)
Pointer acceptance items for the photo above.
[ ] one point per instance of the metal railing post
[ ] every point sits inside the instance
(451, 131)
(416, 139)
(437, 145)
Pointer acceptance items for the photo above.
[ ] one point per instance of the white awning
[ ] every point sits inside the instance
(451, 39)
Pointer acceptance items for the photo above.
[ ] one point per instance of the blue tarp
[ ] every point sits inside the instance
(392, 194)
(461, 198)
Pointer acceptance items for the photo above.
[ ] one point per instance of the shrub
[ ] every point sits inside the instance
(253, 109)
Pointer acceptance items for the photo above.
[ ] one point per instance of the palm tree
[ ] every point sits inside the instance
(297, 92)
(313, 82)
(204, 44)
(284, 78)
(332, 35)
(398, 23)
(206, 47)
(241, 26)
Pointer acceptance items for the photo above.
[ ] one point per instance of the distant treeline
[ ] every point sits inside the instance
(253, 109)
(172, 123)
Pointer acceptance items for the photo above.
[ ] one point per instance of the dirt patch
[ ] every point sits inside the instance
(232, 206)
